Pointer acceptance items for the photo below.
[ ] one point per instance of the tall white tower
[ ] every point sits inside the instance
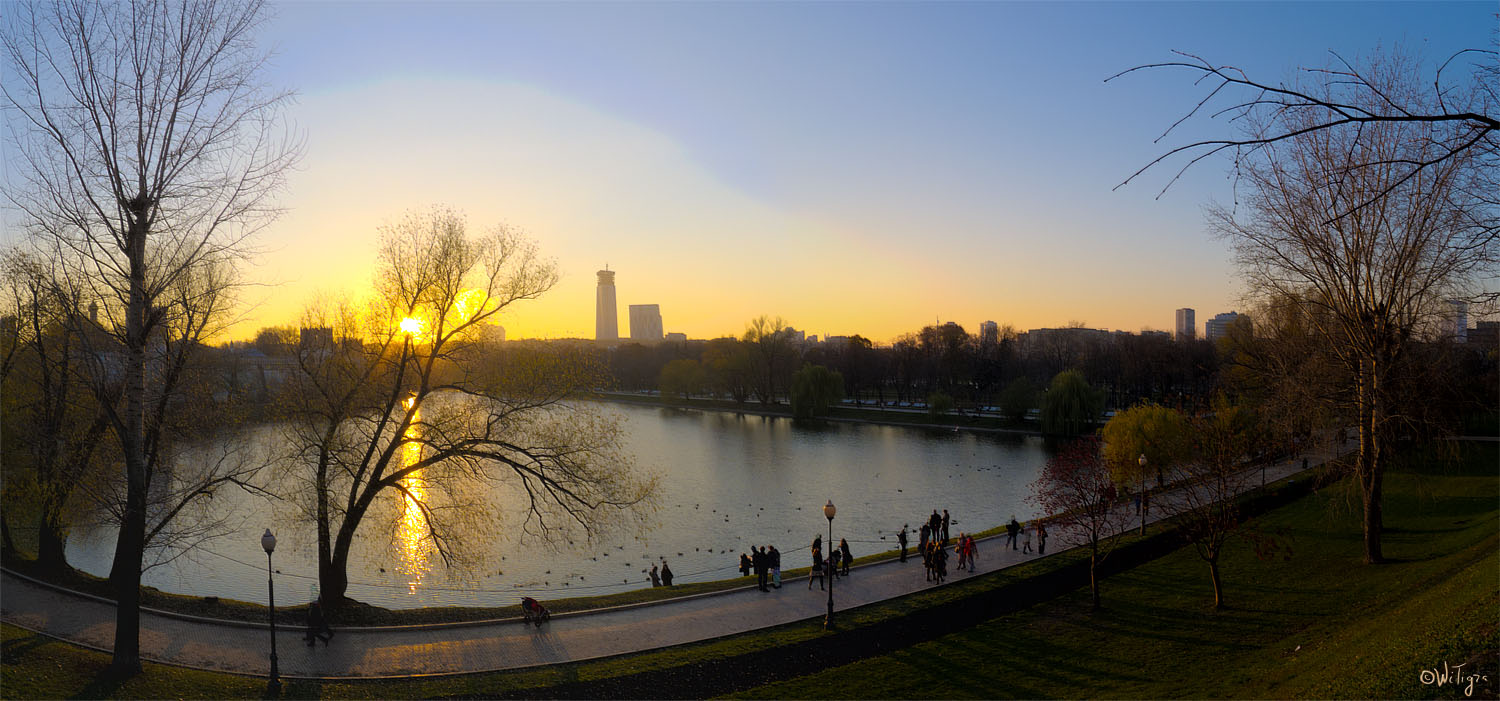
(1187, 326)
(606, 320)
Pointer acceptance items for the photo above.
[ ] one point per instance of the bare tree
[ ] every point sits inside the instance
(1458, 117)
(417, 417)
(774, 355)
(150, 152)
(1206, 501)
(54, 427)
(1073, 492)
(1373, 277)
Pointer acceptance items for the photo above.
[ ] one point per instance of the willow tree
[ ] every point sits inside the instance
(1370, 247)
(402, 410)
(145, 151)
(1070, 407)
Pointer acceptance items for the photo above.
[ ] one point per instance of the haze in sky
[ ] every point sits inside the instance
(852, 167)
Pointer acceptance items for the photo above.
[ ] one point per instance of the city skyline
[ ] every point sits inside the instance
(849, 168)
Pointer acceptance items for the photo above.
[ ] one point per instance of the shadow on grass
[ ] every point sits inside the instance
(16, 648)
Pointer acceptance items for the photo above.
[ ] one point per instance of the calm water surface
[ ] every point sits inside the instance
(728, 480)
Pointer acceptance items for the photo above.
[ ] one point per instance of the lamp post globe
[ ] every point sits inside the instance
(829, 510)
(268, 542)
(1142, 462)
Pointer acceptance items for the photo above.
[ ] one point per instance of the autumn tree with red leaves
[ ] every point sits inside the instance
(1075, 488)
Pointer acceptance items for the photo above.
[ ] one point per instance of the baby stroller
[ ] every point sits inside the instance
(534, 612)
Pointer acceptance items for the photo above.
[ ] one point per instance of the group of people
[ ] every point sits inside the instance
(932, 546)
(1015, 528)
(765, 562)
(661, 577)
(835, 565)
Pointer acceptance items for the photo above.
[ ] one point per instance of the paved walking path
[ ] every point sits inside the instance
(454, 648)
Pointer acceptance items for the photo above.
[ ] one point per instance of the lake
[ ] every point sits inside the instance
(728, 481)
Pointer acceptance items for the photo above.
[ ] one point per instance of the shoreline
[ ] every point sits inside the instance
(762, 410)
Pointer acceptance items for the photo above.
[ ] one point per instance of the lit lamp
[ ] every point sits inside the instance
(268, 542)
(1142, 462)
(829, 511)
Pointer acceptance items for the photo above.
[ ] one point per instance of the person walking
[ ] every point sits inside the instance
(745, 565)
(962, 548)
(666, 574)
(935, 524)
(1025, 539)
(317, 626)
(775, 567)
(924, 535)
(817, 569)
(833, 562)
(1041, 538)
(901, 538)
(939, 563)
(655, 577)
(1011, 529)
(945, 525)
(848, 557)
(973, 553)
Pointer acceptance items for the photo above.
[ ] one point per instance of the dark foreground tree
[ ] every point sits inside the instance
(1073, 495)
(1367, 199)
(148, 150)
(53, 426)
(417, 422)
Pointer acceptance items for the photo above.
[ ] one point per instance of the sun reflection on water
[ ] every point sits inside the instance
(416, 549)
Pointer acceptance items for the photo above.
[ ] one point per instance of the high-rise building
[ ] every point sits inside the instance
(606, 319)
(989, 333)
(1187, 325)
(1218, 327)
(1458, 326)
(645, 323)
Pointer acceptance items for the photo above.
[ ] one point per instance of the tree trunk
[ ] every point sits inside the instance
(50, 545)
(130, 547)
(125, 576)
(9, 545)
(1094, 574)
(333, 580)
(333, 571)
(1369, 469)
(1213, 573)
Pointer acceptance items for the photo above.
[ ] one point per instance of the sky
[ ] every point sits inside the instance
(851, 167)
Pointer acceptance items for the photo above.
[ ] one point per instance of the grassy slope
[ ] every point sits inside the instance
(1363, 631)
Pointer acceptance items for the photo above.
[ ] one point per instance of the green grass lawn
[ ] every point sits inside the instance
(1319, 624)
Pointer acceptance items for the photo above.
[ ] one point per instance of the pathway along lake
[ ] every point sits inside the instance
(727, 481)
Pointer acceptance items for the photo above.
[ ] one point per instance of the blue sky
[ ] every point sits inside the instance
(853, 167)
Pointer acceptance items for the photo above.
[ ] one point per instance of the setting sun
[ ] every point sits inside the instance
(412, 326)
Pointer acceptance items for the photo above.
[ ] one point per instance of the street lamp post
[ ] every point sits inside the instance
(829, 510)
(1142, 462)
(268, 542)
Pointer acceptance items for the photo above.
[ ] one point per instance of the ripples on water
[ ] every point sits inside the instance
(728, 481)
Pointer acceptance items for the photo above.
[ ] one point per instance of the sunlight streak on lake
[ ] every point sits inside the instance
(416, 550)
